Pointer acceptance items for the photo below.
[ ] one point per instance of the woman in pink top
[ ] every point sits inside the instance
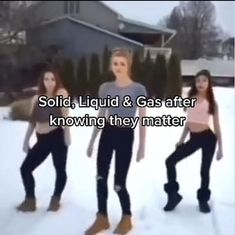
(201, 136)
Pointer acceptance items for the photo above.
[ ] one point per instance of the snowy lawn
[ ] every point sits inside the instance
(145, 183)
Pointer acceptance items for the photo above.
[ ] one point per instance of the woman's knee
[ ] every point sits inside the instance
(204, 174)
(101, 180)
(25, 169)
(170, 161)
(61, 172)
(118, 188)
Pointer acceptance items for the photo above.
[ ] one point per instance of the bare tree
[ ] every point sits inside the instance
(197, 34)
(13, 48)
(12, 21)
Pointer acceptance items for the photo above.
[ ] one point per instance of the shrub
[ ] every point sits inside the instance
(20, 109)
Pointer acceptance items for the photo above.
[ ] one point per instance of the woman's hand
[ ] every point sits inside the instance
(140, 154)
(178, 144)
(67, 137)
(90, 149)
(26, 147)
(216, 121)
(219, 154)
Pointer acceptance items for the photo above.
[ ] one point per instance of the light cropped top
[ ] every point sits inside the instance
(199, 113)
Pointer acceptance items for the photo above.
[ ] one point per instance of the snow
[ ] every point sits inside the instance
(145, 183)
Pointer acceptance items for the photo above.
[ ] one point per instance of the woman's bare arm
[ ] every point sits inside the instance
(31, 124)
(217, 129)
(101, 113)
(142, 129)
(65, 113)
(65, 110)
(184, 134)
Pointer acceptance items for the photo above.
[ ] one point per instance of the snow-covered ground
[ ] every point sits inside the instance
(145, 183)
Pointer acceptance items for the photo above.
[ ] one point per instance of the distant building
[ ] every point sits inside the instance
(222, 71)
(228, 49)
(78, 28)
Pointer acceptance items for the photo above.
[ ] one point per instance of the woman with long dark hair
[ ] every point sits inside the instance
(50, 139)
(119, 139)
(201, 137)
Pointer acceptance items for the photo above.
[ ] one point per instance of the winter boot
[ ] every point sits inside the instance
(203, 195)
(124, 226)
(100, 224)
(54, 204)
(173, 200)
(28, 205)
(174, 197)
(204, 207)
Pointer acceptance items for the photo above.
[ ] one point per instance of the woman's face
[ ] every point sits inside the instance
(202, 83)
(49, 81)
(119, 66)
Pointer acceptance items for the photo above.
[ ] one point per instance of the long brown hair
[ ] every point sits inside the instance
(126, 53)
(41, 86)
(209, 93)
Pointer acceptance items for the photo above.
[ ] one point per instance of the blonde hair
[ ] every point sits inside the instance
(126, 53)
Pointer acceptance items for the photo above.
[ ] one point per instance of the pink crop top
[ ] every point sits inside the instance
(199, 113)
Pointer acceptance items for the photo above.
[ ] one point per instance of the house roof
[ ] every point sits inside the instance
(109, 8)
(38, 3)
(217, 67)
(130, 24)
(143, 26)
(96, 28)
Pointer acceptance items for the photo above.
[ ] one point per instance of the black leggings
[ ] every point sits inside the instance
(119, 139)
(52, 142)
(205, 140)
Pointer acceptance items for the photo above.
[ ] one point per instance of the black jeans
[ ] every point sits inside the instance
(119, 139)
(52, 142)
(206, 140)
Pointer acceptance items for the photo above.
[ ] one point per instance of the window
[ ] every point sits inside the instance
(66, 7)
(71, 7)
(77, 6)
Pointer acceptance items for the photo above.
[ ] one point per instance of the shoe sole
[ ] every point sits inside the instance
(115, 232)
(171, 209)
(204, 212)
(19, 210)
(96, 233)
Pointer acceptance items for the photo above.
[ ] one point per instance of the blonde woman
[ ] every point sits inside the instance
(118, 138)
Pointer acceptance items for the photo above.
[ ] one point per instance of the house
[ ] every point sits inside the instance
(222, 71)
(228, 49)
(77, 28)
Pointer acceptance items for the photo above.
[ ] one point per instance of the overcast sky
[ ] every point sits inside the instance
(152, 11)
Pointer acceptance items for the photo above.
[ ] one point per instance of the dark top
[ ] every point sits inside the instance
(41, 114)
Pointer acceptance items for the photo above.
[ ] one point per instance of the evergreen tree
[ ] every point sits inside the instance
(159, 77)
(174, 79)
(94, 75)
(82, 77)
(107, 74)
(68, 77)
(147, 73)
(136, 68)
(105, 60)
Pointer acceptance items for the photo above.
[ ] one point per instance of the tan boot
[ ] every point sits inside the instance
(101, 223)
(28, 205)
(54, 204)
(124, 226)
